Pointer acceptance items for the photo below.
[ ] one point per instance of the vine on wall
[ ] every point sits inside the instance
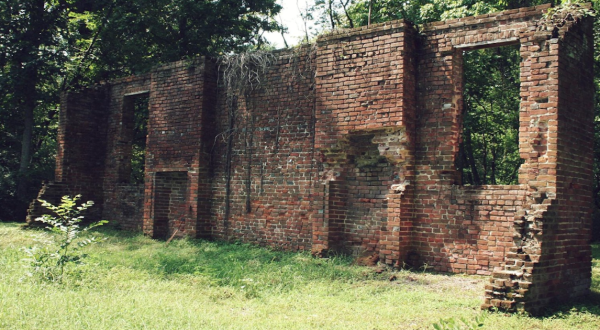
(245, 80)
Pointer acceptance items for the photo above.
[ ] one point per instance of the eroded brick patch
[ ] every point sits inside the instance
(349, 146)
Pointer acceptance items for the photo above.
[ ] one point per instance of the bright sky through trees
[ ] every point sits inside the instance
(291, 19)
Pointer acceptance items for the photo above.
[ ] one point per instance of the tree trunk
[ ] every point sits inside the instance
(471, 159)
(331, 18)
(25, 88)
(346, 13)
(370, 8)
(27, 105)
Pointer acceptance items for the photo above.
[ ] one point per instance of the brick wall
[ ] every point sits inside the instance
(123, 200)
(551, 259)
(365, 137)
(451, 221)
(178, 142)
(81, 146)
(170, 201)
(567, 241)
(350, 146)
(264, 169)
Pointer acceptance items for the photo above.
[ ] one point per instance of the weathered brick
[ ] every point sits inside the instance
(349, 145)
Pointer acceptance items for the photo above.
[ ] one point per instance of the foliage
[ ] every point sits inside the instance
(61, 248)
(131, 281)
(30, 54)
(144, 33)
(463, 324)
(138, 145)
(490, 141)
(47, 47)
(566, 11)
(421, 11)
(331, 14)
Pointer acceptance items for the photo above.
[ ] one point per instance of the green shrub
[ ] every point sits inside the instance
(60, 247)
(461, 324)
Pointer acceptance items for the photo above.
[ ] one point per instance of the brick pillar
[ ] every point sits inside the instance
(81, 149)
(550, 261)
(180, 136)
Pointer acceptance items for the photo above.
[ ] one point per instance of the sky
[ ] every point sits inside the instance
(290, 18)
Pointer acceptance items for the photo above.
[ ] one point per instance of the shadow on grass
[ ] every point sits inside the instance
(11, 223)
(596, 255)
(578, 308)
(585, 305)
(223, 263)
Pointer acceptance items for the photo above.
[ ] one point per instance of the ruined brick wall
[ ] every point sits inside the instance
(457, 228)
(365, 136)
(567, 241)
(123, 200)
(350, 146)
(550, 258)
(81, 146)
(264, 169)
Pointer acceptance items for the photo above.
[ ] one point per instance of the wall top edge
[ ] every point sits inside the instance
(511, 14)
(379, 28)
(128, 79)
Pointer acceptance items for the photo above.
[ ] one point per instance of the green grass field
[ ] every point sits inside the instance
(132, 282)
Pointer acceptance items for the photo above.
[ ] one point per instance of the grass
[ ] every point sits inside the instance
(132, 282)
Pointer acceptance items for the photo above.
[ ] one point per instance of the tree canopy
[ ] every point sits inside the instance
(47, 46)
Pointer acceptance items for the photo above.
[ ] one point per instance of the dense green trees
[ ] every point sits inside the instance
(31, 53)
(490, 141)
(47, 46)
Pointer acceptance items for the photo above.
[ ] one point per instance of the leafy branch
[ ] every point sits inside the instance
(567, 11)
(56, 251)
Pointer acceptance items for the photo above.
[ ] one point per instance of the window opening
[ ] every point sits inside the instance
(138, 145)
(489, 150)
(133, 139)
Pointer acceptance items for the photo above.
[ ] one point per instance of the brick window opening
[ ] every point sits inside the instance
(134, 132)
(170, 207)
(489, 148)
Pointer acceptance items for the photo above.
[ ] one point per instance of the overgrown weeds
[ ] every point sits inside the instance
(132, 282)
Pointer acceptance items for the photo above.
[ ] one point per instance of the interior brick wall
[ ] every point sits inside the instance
(180, 117)
(349, 146)
(123, 200)
(81, 152)
(569, 264)
(263, 157)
